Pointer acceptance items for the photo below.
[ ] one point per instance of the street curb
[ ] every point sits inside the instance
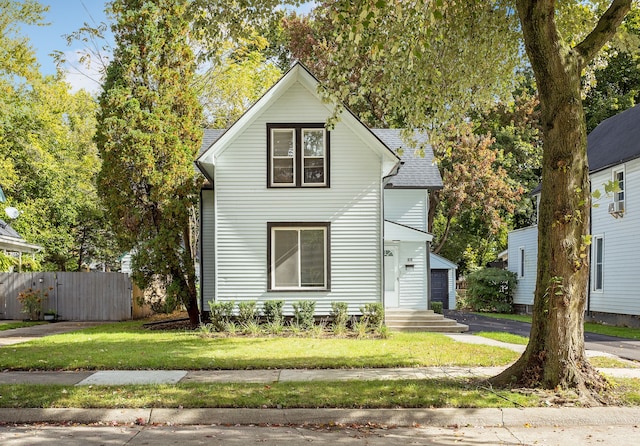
(510, 417)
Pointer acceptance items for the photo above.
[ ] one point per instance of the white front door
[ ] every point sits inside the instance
(391, 294)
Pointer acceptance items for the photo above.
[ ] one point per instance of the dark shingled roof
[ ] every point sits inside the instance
(209, 137)
(416, 172)
(615, 140)
(8, 231)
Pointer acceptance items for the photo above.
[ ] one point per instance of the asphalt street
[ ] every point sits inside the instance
(624, 348)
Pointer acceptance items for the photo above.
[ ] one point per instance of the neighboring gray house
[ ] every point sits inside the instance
(614, 285)
(295, 211)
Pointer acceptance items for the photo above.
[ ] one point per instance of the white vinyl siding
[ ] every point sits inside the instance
(524, 241)
(245, 204)
(207, 244)
(412, 283)
(621, 280)
(407, 207)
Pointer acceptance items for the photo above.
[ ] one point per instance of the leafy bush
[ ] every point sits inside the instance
(303, 312)
(272, 311)
(247, 312)
(31, 301)
(436, 307)
(221, 313)
(491, 290)
(373, 315)
(340, 315)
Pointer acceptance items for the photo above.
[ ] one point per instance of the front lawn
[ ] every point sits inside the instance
(128, 346)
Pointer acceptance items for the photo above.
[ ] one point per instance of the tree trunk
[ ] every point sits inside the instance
(555, 355)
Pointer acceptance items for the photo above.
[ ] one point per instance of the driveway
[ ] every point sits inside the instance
(622, 347)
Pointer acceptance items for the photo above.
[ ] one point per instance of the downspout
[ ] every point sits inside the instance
(428, 274)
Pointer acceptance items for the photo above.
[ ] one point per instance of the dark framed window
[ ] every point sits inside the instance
(298, 256)
(297, 155)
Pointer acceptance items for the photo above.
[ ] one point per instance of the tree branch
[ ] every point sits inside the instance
(604, 30)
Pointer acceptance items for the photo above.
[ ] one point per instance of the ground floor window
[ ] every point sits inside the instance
(598, 263)
(298, 255)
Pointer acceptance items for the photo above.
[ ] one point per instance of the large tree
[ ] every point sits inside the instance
(149, 132)
(442, 58)
(555, 354)
(48, 161)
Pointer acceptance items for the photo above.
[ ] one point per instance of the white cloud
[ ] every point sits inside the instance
(81, 74)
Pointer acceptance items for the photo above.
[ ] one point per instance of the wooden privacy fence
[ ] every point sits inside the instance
(73, 296)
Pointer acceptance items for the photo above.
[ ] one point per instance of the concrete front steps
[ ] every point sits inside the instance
(421, 320)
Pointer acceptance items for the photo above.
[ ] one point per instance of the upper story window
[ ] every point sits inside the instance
(618, 176)
(298, 155)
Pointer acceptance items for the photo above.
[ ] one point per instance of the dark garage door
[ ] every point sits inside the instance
(440, 287)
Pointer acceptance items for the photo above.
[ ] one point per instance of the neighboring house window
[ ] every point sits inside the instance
(618, 197)
(598, 263)
(298, 155)
(298, 256)
(521, 264)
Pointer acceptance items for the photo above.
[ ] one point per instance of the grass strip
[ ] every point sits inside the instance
(436, 393)
(349, 394)
(12, 325)
(127, 346)
(504, 337)
(590, 327)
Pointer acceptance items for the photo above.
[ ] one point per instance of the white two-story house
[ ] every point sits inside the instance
(294, 210)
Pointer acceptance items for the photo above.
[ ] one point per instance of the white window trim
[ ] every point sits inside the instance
(521, 261)
(324, 157)
(614, 174)
(274, 157)
(272, 285)
(594, 267)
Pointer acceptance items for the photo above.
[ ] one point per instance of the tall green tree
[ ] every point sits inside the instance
(48, 161)
(149, 132)
(555, 354)
(444, 58)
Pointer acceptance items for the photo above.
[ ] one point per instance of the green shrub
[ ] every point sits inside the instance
(340, 315)
(272, 311)
(436, 307)
(247, 312)
(303, 312)
(491, 290)
(221, 313)
(373, 315)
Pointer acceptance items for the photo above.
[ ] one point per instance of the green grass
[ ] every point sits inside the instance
(350, 394)
(436, 393)
(128, 346)
(12, 325)
(590, 327)
(614, 363)
(504, 337)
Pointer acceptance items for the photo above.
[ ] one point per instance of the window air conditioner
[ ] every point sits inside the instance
(616, 208)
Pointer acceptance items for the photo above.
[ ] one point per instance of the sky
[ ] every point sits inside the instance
(65, 17)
